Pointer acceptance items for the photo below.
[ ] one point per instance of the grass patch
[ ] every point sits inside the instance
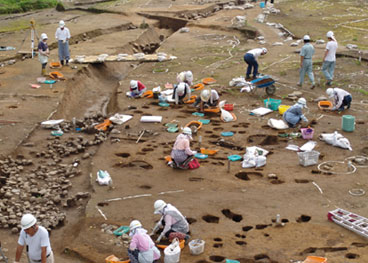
(16, 26)
(364, 92)
(20, 6)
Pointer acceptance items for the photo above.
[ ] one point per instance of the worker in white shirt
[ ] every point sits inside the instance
(341, 98)
(181, 91)
(251, 59)
(329, 59)
(185, 76)
(62, 34)
(208, 98)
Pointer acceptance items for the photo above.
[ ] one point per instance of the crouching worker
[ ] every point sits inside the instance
(136, 89)
(341, 98)
(209, 98)
(185, 76)
(141, 249)
(181, 153)
(174, 223)
(180, 92)
(294, 114)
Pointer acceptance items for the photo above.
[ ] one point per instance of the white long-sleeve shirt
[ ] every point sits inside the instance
(62, 34)
(339, 95)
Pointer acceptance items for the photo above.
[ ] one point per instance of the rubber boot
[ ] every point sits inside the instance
(44, 72)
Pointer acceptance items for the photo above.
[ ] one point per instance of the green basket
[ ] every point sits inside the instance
(272, 104)
(121, 230)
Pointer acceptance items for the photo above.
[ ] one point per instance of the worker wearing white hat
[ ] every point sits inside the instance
(36, 238)
(294, 114)
(341, 98)
(185, 76)
(174, 223)
(136, 89)
(43, 53)
(181, 153)
(181, 91)
(329, 58)
(251, 59)
(209, 97)
(306, 63)
(62, 35)
(141, 248)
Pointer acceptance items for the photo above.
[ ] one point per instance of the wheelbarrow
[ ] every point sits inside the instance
(265, 82)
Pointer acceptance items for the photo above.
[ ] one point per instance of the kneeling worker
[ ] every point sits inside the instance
(294, 114)
(174, 223)
(136, 89)
(180, 92)
(141, 249)
(181, 153)
(341, 98)
(209, 97)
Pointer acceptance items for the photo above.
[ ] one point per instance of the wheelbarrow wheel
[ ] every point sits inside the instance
(270, 90)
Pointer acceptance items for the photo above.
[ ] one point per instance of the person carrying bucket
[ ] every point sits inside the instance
(180, 92)
(185, 76)
(251, 59)
(341, 98)
(181, 153)
(294, 114)
(136, 89)
(141, 248)
(209, 97)
(174, 223)
(43, 53)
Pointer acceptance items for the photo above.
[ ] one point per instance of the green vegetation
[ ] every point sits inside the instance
(19, 6)
(364, 92)
(16, 26)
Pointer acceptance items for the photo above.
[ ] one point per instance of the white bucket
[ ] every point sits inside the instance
(172, 252)
(196, 246)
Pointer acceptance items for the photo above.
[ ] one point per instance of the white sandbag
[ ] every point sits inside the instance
(254, 157)
(51, 123)
(277, 124)
(336, 139)
(120, 118)
(103, 178)
(226, 116)
(261, 111)
(151, 118)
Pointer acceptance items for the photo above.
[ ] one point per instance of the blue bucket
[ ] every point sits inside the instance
(262, 5)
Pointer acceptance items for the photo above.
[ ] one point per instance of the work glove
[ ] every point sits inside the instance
(159, 238)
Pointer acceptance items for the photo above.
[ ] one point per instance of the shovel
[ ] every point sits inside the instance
(2, 255)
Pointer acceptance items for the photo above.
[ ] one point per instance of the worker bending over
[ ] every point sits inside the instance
(141, 249)
(209, 98)
(185, 76)
(294, 114)
(181, 91)
(341, 98)
(181, 153)
(251, 59)
(174, 223)
(136, 89)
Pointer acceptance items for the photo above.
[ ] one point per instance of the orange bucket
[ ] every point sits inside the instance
(113, 259)
(198, 86)
(314, 259)
(208, 81)
(148, 94)
(325, 105)
(56, 75)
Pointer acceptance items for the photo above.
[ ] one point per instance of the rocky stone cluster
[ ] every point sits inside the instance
(120, 241)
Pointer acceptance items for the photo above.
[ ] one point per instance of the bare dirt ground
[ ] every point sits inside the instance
(231, 211)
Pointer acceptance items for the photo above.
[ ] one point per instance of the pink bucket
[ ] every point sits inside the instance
(307, 133)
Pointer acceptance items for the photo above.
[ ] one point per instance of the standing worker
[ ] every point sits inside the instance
(294, 114)
(209, 97)
(251, 59)
(36, 238)
(181, 153)
(180, 92)
(306, 63)
(174, 223)
(329, 59)
(43, 53)
(136, 89)
(62, 34)
(185, 76)
(341, 98)
(141, 249)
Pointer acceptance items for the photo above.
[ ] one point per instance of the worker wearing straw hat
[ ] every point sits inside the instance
(209, 97)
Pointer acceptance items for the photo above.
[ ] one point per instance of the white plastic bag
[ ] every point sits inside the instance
(103, 178)
(226, 116)
(336, 139)
(277, 124)
(51, 123)
(254, 157)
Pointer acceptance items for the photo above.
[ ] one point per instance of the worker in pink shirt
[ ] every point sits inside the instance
(181, 153)
(173, 222)
(141, 249)
(136, 89)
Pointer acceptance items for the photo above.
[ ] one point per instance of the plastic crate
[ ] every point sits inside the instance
(308, 158)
